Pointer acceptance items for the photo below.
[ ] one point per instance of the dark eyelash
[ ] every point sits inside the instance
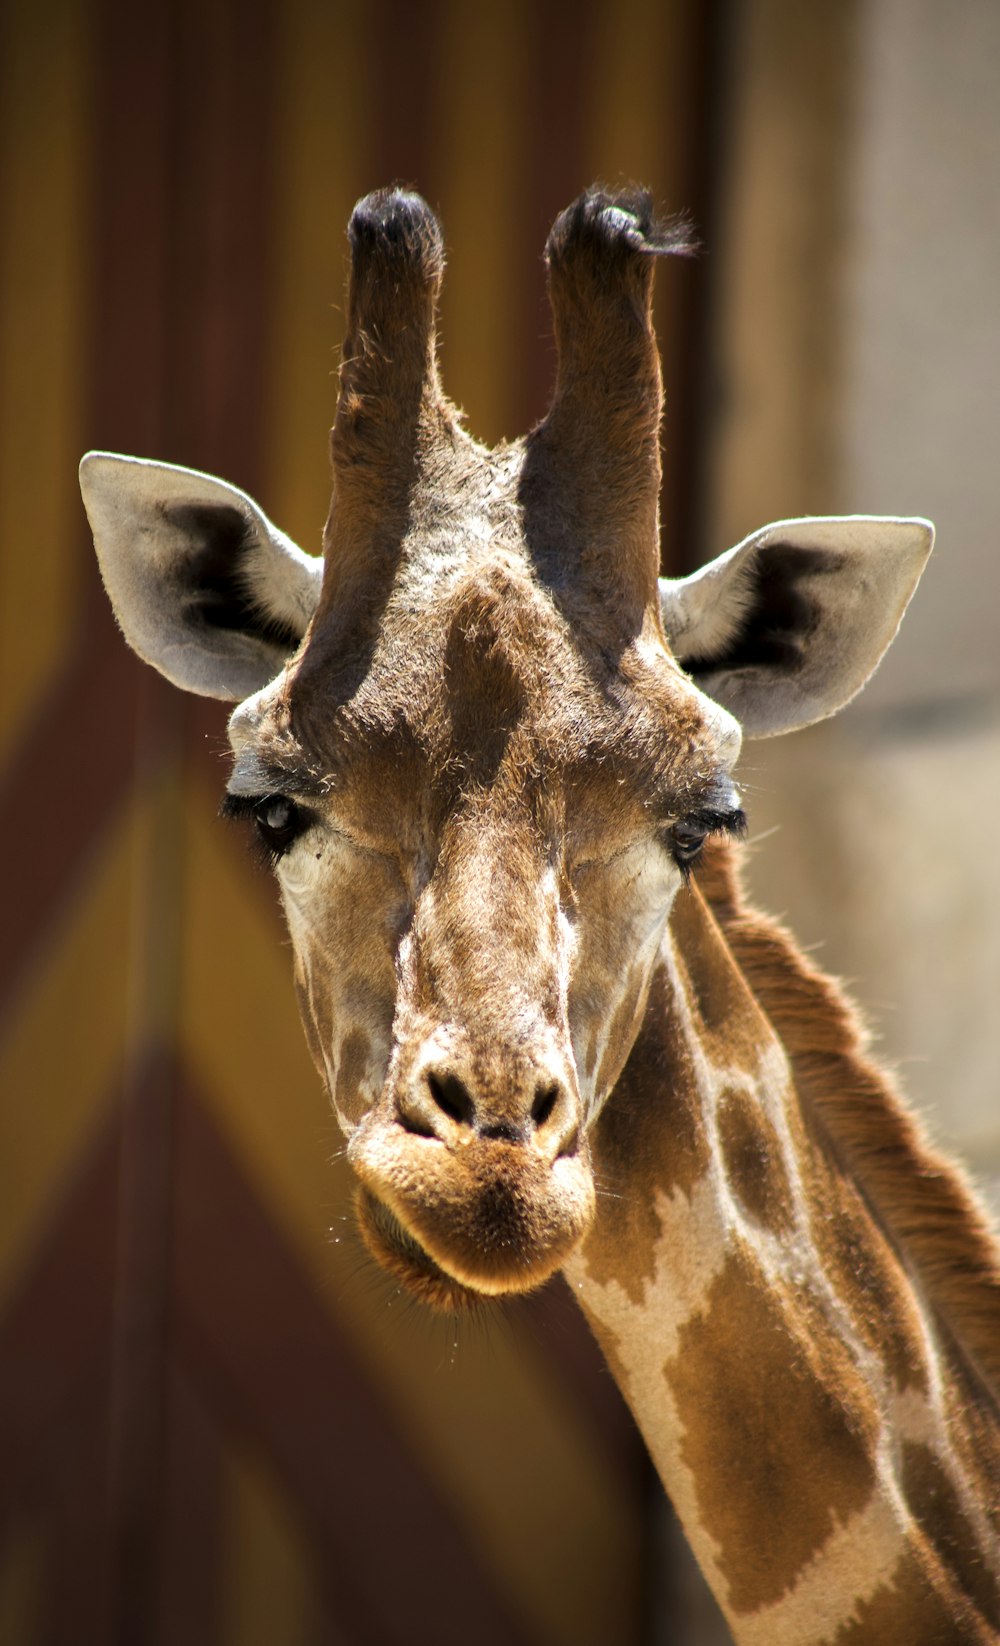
(732, 822)
(235, 807)
(686, 838)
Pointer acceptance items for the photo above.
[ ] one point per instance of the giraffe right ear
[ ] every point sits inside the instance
(203, 585)
(786, 628)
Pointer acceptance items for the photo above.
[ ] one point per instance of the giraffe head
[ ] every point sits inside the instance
(480, 741)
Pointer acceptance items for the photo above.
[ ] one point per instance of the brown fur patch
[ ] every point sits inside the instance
(866, 1274)
(486, 679)
(754, 1167)
(976, 1439)
(729, 1026)
(778, 1460)
(935, 1506)
(919, 1199)
(910, 1611)
(650, 1136)
(354, 1054)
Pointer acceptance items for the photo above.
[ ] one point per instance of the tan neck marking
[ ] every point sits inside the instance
(796, 1393)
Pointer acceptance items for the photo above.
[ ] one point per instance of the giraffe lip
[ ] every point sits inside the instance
(396, 1250)
(455, 1229)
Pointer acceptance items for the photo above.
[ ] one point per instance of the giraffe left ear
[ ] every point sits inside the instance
(786, 628)
(205, 588)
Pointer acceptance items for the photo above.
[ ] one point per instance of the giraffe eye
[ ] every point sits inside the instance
(686, 841)
(279, 821)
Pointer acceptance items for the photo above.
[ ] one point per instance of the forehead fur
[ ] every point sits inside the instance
(480, 679)
(491, 618)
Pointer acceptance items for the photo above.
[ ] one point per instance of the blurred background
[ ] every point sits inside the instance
(217, 1425)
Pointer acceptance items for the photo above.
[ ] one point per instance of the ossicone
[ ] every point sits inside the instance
(390, 408)
(597, 451)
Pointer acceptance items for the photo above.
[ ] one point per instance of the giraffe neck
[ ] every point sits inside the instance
(834, 1465)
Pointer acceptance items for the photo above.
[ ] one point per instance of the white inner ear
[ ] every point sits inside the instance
(205, 587)
(282, 580)
(703, 613)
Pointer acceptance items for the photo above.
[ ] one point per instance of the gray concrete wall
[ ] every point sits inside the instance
(883, 183)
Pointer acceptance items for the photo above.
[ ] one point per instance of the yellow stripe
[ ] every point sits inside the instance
(269, 1585)
(480, 142)
(44, 172)
(57, 1066)
(639, 51)
(486, 1417)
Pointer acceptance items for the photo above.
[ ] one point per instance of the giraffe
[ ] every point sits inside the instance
(490, 756)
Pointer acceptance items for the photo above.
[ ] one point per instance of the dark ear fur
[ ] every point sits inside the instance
(204, 586)
(784, 629)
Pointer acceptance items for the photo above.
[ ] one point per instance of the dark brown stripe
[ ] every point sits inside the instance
(192, 1553)
(132, 366)
(55, 1331)
(402, 57)
(75, 1591)
(252, 1332)
(182, 232)
(184, 228)
(221, 231)
(74, 758)
(138, 1390)
(128, 334)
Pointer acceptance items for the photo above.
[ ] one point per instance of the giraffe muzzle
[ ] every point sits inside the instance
(473, 1188)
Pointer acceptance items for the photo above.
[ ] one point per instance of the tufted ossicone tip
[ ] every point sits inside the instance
(597, 450)
(605, 223)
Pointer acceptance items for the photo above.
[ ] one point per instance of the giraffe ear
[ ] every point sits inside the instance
(204, 586)
(785, 628)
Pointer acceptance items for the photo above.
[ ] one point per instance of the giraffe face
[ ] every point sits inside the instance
(481, 773)
(478, 837)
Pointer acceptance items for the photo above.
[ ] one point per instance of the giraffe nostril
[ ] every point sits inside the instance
(452, 1097)
(441, 1105)
(546, 1098)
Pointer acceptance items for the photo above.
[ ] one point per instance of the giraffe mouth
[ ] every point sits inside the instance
(456, 1226)
(400, 1255)
(503, 1245)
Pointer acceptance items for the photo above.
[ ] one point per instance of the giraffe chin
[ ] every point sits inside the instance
(450, 1286)
(396, 1251)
